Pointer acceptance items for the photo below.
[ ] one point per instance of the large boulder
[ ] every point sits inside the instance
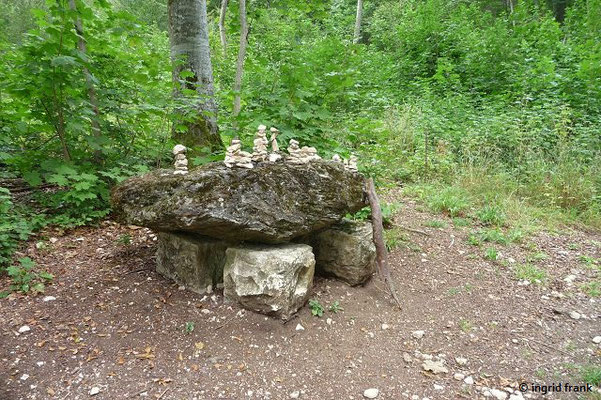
(193, 261)
(269, 279)
(270, 203)
(345, 251)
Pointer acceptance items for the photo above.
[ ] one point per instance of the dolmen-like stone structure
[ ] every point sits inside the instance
(259, 229)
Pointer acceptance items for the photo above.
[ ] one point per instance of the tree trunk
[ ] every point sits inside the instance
(81, 44)
(189, 39)
(241, 56)
(357, 35)
(222, 26)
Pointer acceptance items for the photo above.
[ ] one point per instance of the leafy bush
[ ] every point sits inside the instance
(15, 225)
(25, 279)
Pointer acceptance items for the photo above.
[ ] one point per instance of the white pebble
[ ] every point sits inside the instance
(24, 328)
(299, 327)
(295, 394)
(371, 393)
(49, 298)
(458, 376)
(418, 334)
(94, 391)
(469, 380)
(24, 377)
(498, 394)
(574, 315)
(461, 361)
(597, 339)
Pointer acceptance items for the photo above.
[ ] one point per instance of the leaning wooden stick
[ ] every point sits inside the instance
(381, 253)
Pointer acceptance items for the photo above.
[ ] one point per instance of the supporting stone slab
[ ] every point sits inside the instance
(345, 251)
(193, 261)
(269, 279)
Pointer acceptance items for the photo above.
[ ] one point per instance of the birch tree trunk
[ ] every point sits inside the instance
(81, 44)
(222, 26)
(357, 34)
(189, 40)
(241, 56)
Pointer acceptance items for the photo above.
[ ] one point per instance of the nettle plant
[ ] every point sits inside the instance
(25, 279)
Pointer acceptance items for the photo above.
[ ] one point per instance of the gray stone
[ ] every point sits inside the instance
(193, 261)
(345, 251)
(418, 334)
(435, 366)
(270, 203)
(269, 279)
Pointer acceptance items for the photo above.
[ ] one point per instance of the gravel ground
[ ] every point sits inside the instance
(110, 327)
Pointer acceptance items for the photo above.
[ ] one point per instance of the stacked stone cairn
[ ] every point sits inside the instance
(260, 145)
(252, 225)
(275, 149)
(234, 156)
(181, 162)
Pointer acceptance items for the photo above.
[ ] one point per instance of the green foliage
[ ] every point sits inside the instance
(491, 215)
(530, 272)
(450, 200)
(124, 240)
(436, 224)
(335, 307)
(316, 308)
(393, 239)
(590, 262)
(591, 374)
(388, 212)
(14, 226)
(461, 222)
(25, 279)
(592, 289)
(189, 327)
(491, 254)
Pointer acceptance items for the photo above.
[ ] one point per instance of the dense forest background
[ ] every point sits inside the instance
(486, 110)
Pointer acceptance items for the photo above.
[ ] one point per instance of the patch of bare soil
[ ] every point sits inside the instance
(118, 330)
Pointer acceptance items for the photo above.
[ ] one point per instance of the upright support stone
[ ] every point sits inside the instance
(193, 261)
(269, 279)
(345, 251)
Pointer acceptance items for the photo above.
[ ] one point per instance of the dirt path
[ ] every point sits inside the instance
(117, 328)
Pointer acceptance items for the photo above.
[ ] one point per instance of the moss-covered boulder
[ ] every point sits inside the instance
(270, 203)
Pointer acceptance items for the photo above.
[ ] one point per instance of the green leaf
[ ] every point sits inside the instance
(60, 180)
(38, 287)
(26, 263)
(33, 178)
(46, 275)
(62, 61)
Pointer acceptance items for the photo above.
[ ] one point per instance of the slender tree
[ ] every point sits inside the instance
(222, 25)
(357, 34)
(83, 48)
(190, 54)
(241, 56)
